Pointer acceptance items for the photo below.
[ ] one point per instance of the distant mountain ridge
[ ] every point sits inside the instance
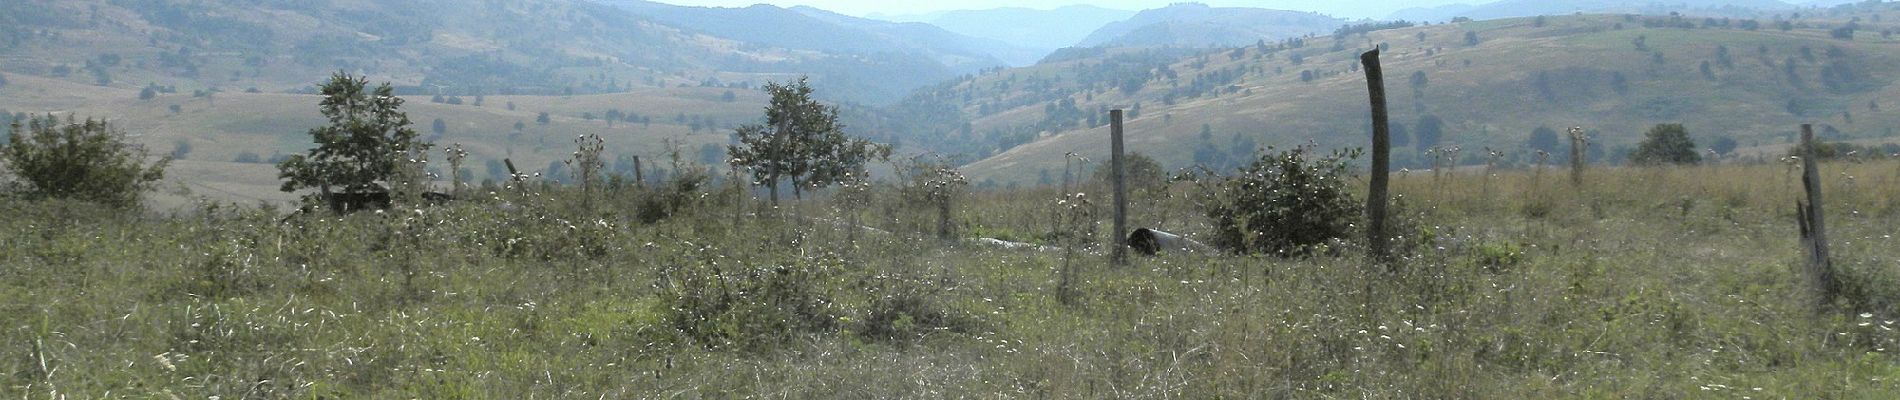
(1200, 25)
(1040, 30)
(1528, 8)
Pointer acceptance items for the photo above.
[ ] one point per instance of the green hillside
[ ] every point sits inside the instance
(225, 127)
(1521, 74)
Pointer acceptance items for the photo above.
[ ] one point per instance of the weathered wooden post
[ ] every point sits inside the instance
(1809, 213)
(1577, 144)
(1377, 195)
(639, 175)
(1117, 169)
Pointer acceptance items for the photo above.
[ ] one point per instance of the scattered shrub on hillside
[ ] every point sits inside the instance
(1287, 204)
(79, 160)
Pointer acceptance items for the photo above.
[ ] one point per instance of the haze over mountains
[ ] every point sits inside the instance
(1005, 90)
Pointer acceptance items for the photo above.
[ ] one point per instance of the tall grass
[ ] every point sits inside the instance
(1641, 283)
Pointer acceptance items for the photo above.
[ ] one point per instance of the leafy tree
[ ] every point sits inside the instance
(1543, 138)
(440, 127)
(364, 147)
(543, 119)
(1471, 38)
(800, 140)
(148, 93)
(1428, 132)
(1143, 173)
(75, 160)
(1724, 145)
(1666, 144)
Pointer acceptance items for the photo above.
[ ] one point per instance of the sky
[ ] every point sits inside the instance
(1337, 8)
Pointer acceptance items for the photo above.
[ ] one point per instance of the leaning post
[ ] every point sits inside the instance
(1118, 169)
(1819, 267)
(1377, 195)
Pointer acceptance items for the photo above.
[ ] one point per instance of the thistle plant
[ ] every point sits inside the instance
(586, 165)
(456, 155)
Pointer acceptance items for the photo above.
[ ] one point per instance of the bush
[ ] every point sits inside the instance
(79, 160)
(1286, 204)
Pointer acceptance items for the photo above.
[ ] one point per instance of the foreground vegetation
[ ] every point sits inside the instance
(1647, 283)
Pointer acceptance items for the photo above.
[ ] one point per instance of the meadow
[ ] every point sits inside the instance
(1653, 283)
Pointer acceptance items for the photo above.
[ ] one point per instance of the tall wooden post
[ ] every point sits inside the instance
(639, 176)
(1813, 222)
(1377, 195)
(1577, 144)
(1118, 169)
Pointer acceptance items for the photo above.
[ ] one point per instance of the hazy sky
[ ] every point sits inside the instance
(1339, 8)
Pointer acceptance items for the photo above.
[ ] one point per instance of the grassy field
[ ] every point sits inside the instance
(1653, 283)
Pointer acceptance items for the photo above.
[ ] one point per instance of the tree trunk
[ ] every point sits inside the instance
(1381, 158)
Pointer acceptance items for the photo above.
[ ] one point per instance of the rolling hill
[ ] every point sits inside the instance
(1530, 8)
(1199, 25)
(1615, 75)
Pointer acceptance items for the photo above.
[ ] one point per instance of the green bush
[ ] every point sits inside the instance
(1286, 204)
(79, 160)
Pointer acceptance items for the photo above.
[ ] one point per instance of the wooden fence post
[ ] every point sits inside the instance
(1577, 144)
(1118, 169)
(639, 175)
(1819, 267)
(1377, 195)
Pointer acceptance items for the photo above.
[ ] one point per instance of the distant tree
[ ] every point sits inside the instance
(455, 100)
(181, 149)
(587, 116)
(1306, 76)
(1419, 81)
(1543, 138)
(1641, 42)
(79, 160)
(175, 109)
(1143, 173)
(543, 119)
(1471, 38)
(437, 99)
(364, 146)
(440, 127)
(1722, 58)
(1539, 22)
(511, 106)
(248, 157)
(1428, 132)
(1666, 144)
(148, 93)
(1399, 136)
(1707, 71)
(1724, 145)
(801, 140)
(728, 97)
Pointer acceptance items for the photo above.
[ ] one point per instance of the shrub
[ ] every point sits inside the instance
(79, 160)
(752, 308)
(1286, 204)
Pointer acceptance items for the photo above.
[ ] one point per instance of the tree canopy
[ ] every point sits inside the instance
(1666, 144)
(80, 160)
(801, 140)
(362, 148)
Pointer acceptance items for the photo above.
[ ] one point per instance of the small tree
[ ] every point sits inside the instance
(800, 140)
(1666, 144)
(365, 146)
(79, 160)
